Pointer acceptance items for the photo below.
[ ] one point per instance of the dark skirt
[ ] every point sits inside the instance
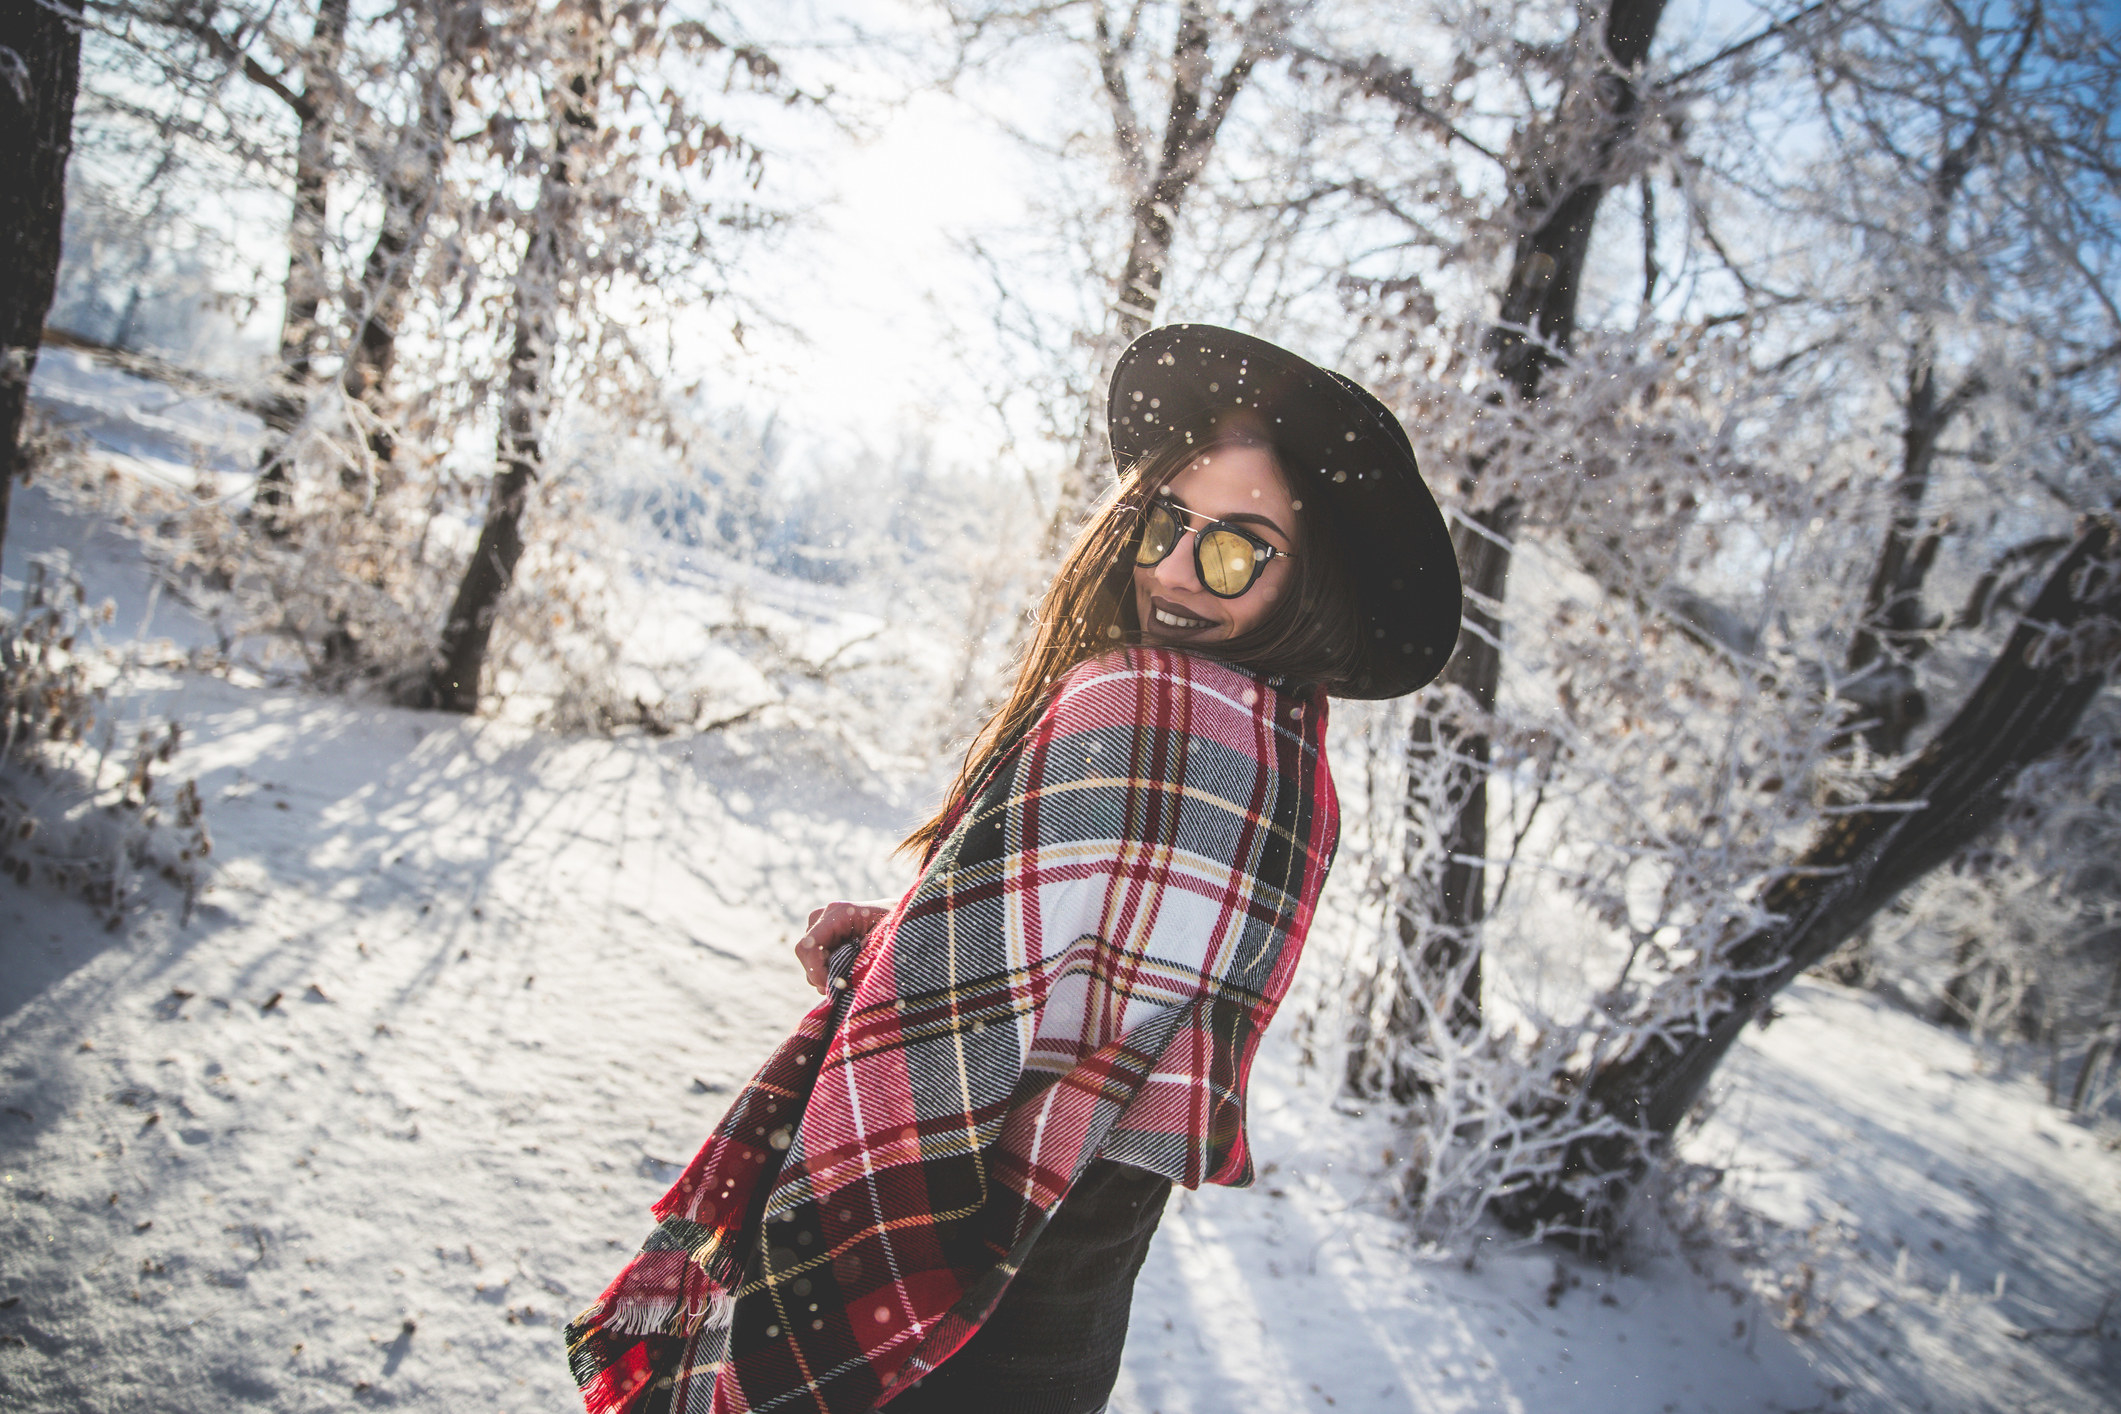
(1053, 1344)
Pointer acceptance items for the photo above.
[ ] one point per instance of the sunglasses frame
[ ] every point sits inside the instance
(1263, 555)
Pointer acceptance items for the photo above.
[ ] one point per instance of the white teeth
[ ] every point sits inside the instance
(1171, 620)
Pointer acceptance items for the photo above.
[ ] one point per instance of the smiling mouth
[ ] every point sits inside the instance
(1172, 618)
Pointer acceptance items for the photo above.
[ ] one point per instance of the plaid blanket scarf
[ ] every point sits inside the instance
(1084, 967)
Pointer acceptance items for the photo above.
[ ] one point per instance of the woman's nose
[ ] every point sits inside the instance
(1176, 570)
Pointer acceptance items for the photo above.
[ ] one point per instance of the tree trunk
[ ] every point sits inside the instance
(1438, 926)
(408, 200)
(2102, 1048)
(314, 109)
(1199, 103)
(1439, 929)
(1946, 797)
(37, 112)
(1961, 1004)
(385, 282)
(306, 225)
(453, 683)
(1890, 636)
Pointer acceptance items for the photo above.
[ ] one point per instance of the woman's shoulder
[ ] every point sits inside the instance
(1174, 669)
(1142, 685)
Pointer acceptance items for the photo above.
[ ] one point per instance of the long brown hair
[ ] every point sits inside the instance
(1309, 635)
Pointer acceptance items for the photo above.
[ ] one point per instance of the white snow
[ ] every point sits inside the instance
(463, 998)
(146, 428)
(1956, 1228)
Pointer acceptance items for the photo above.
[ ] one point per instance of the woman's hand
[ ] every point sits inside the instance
(836, 923)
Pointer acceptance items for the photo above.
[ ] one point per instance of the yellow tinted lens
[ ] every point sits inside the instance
(1227, 562)
(1159, 534)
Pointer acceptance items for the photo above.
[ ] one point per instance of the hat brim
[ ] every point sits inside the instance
(1345, 452)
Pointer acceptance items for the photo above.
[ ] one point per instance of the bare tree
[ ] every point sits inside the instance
(611, 205)
(2061, 656)
(1560, 166)
(550, 257)
(1553, 1130)
(230, 35)
(511, 240)
(1977, 96)
(314, 109)
(412, 183)
(1198, 101)
(40, 71)
(1166, 111)
(305, 78)
(315, 106)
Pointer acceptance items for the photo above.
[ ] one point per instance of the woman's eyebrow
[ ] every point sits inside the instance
(1234, 518)
(1253, 518)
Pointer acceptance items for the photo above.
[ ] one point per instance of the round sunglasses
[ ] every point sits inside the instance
(1228, 559)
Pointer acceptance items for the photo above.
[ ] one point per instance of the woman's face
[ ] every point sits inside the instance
(1239, 484)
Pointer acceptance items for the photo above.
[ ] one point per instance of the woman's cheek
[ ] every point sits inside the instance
(1264, 594)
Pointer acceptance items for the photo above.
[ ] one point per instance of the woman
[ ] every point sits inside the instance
(937, 1193)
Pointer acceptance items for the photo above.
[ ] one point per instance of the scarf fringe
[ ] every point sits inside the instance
(641, 1318)
(638, 1318)
(707, 1296)
(616, 1385)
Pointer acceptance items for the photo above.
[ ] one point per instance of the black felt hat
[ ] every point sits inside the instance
(1344, 451)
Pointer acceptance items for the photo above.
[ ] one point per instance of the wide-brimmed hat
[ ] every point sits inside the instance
(1348, 457)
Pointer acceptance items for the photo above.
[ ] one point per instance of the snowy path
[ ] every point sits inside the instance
(505, 968)
(393, 1105)
(402, 1067)
(1962, 1237)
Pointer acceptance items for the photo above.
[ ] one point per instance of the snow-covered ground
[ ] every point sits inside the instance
(142, 427)
(463, 997)
(1942, 1237)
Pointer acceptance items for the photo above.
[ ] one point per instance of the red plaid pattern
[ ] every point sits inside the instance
(1084, 967)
